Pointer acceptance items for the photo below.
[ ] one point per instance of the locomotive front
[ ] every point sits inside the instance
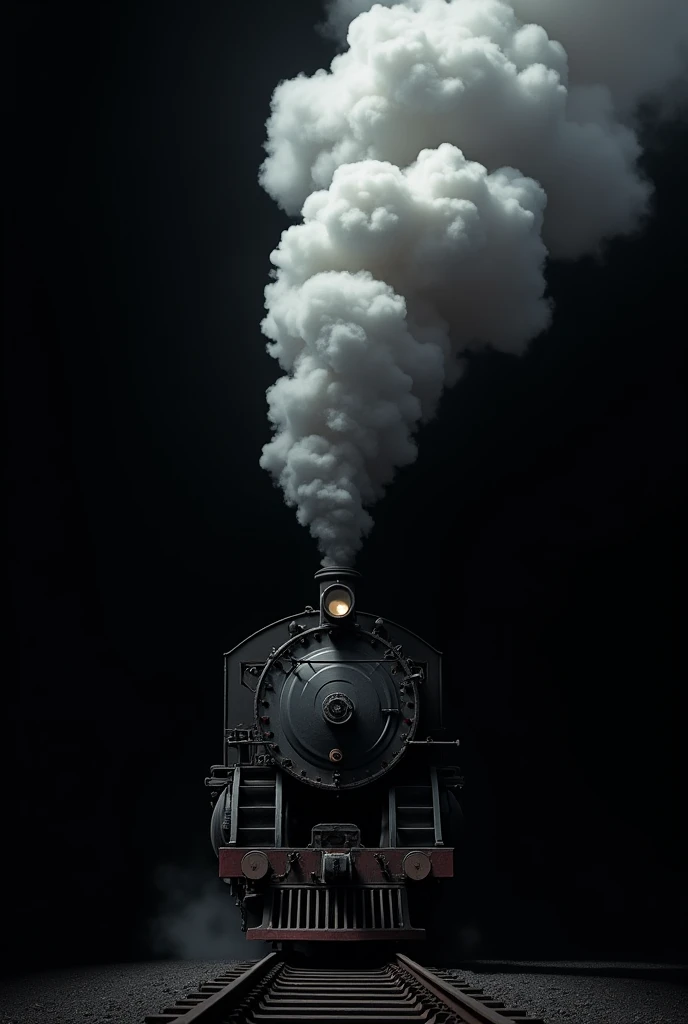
(329, 810)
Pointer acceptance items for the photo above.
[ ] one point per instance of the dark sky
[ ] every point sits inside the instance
(538, 540)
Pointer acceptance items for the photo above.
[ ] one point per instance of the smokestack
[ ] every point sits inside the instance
(450, 149)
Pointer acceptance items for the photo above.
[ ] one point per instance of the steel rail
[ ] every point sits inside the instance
(214, 999)
(273, 991)
(470, 1004)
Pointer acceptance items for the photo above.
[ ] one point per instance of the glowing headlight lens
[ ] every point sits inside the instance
(338, 602)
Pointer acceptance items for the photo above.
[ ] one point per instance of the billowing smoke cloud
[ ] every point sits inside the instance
(635, 48)
(449, 149)
(197, 918)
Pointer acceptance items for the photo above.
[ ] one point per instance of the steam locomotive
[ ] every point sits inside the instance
(335, 808)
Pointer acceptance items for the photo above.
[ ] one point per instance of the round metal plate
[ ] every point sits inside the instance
(255, 864)
(298, 686)
(416, 865)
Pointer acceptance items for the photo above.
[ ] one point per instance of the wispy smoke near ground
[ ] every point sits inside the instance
(197, 919)
(450, 148)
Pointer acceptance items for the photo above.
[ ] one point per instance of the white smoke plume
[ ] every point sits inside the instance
(197, 918)
(448, 150)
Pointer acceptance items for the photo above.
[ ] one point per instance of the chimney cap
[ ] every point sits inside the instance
(336, 572)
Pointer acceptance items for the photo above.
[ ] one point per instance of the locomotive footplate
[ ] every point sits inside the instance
(382, 866)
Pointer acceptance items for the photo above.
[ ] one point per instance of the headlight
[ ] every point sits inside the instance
(338, 602)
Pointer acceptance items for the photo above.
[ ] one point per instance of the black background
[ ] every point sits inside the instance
(537, 540)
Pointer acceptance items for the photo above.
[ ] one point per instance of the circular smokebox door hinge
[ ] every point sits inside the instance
(255, 864)
(416, 865)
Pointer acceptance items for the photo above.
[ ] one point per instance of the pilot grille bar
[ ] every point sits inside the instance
(341, 908)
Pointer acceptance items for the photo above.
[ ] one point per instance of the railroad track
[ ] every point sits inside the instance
(271, 991)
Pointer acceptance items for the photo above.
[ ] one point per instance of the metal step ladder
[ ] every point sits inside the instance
(414, 814)
(256, 818)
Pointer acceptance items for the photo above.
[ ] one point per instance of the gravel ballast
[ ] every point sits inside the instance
(125, 993)
(586, 1000)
